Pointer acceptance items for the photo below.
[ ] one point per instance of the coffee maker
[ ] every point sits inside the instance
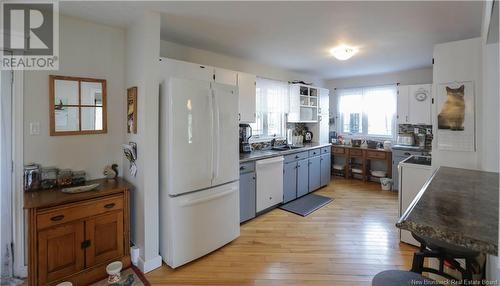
(245, 134)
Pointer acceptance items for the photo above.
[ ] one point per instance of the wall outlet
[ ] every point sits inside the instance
(35, 128)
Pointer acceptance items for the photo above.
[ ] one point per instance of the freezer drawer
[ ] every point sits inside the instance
(199, 223)
(269, 182)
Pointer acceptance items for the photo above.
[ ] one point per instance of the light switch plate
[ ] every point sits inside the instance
(35, 128)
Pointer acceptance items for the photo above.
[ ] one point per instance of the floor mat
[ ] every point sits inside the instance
(129, 277)
(306, 205)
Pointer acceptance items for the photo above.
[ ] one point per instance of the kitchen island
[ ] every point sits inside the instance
(457, 206)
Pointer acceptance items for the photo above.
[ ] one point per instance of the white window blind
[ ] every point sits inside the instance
(271, 106)
(368, 111)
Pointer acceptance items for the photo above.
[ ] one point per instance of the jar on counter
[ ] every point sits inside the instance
(64, 178)
(78, 178)
(32, 177)
(49, 177)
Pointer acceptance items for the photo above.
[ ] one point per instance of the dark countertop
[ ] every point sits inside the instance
(264, 154)
(457, 206)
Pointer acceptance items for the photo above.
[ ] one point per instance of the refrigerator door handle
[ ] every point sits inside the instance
(196, 201)
(216, 145)
(211, 107)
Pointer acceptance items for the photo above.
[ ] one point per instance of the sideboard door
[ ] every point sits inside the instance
(106, 237)
(60, 251)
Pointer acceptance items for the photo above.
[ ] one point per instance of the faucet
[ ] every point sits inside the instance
(273, 141)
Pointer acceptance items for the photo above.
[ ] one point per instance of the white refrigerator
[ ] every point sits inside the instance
(199, 157)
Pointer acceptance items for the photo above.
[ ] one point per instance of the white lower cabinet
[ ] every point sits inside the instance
(269, 182)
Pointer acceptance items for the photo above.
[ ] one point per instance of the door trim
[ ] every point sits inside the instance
(18, 216)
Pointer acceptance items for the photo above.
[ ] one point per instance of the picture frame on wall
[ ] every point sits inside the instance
(132, 110)
(456, 116)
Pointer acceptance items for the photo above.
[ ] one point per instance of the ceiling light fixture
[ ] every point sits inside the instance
(343, 52)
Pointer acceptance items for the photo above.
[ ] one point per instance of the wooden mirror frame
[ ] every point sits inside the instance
(53, 132)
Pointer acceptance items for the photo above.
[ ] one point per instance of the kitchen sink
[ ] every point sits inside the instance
(419, 160)
(286, 147)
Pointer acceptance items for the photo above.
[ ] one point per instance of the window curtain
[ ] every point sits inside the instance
(271, 105)
(5, 177)
(368, 111)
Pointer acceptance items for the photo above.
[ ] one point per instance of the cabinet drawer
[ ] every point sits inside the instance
(376, 155)
(356, 152)
(325, 150)
(315, 152)
(70, 213)
(338, 150)
(296, 156)
(247, 167)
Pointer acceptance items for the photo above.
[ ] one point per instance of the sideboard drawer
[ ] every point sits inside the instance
(376, 155)
(338, 150)
(70, 213)
(356, 152)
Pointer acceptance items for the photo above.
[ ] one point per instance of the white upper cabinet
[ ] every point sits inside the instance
(304, 103)
(402, 108)
(414, 104)
(420, 102)
(225, 76)
(324, 118)
(189, 70)
(247, 106)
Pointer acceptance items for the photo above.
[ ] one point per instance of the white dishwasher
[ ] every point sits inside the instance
(269, 174)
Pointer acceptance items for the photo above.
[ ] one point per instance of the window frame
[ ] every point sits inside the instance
(364, 116)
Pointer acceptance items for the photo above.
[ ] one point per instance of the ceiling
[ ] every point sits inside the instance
(391, 36)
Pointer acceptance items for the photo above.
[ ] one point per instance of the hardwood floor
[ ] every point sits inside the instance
(344, 243)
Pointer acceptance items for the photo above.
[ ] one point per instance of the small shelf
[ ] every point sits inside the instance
(308, 96)
(308, 106)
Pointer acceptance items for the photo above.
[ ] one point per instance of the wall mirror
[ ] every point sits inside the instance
(77, 105)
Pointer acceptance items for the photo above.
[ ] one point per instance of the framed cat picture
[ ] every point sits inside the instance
(456, 116)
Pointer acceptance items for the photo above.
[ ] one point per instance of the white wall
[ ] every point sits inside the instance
(199, 56)
(489, 147)
(459, 61)
(87, 50)
(143, 49)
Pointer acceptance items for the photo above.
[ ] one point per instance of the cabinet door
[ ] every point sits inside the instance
(294, 98)
(324, 119)
(247, 93)
(419, 99)
(186, 69)
(225, 76)
(60, 252)
(289, 181)
(314, 173)
(402, 106)
(325, 169)
(302, 177)
(106, 237)
(247, 196)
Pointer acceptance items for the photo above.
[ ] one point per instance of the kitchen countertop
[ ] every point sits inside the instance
(457, 206)
(264, 154)
(411, 148)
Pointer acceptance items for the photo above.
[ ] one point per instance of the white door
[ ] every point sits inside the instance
(190, 124)
(269, 182)
(247, 93)
(419, 100)
(402, 106)
(225, 76)
(226, 133)
(200, 223)
(187, 70)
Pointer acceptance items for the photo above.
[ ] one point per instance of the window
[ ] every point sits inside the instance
(272, 103)
(368, 111)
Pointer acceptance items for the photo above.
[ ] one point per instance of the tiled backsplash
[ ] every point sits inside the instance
(422, 129)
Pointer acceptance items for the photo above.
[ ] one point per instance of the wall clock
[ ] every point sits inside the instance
(421, 94)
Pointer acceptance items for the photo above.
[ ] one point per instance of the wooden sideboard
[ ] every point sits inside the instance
(365, 156)
(72, 237)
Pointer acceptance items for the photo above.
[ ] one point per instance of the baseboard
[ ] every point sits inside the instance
(149, 265)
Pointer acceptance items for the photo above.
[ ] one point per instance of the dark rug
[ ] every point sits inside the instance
(306, 205)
